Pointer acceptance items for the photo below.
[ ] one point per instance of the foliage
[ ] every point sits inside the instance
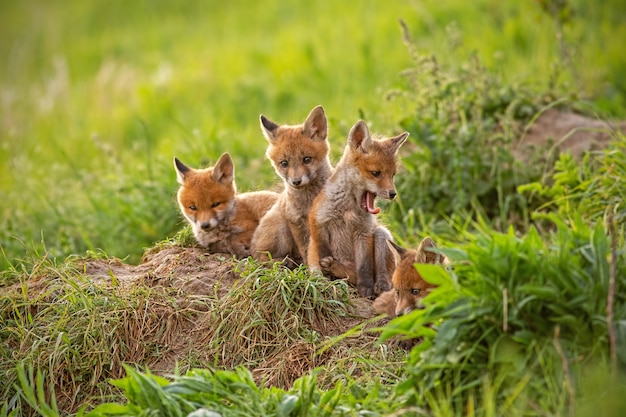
(274, 313)
(592, 187)
(512, 316)
(204, 393)
(463, 125)
(97, 99)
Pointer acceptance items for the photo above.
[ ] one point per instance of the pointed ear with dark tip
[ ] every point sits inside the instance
(268, 128)
(397, 141)
(182, 171)
(425, 255)
(316, 126)
(359, 136)
(224, 170)
(396, 250)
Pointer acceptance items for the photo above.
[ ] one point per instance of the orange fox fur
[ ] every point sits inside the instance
(408, 285)
(222, 220)
(346, 239)
(299, 155)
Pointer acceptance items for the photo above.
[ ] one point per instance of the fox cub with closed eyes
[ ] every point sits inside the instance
(222, 220)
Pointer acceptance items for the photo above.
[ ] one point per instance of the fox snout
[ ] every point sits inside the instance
(298, 182)
(205, 224)
(407, 310)
(388, 194)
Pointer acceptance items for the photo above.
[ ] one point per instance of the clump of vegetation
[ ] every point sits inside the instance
(515, 318)
(592, 187)
(78, 332)
(274, 321)
(464, 122)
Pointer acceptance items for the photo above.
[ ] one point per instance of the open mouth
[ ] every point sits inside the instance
(367, 203)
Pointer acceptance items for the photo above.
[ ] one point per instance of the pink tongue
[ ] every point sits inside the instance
(369, 201)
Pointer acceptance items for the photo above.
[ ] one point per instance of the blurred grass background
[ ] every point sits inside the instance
(97, 97)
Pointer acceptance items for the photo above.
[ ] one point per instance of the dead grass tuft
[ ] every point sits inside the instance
(180, 308)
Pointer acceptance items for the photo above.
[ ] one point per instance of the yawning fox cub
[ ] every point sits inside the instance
(222, 220)
(346, 240)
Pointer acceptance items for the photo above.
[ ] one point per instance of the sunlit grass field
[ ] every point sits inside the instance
(97, 97)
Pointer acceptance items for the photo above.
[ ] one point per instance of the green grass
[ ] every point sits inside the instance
(97, 97)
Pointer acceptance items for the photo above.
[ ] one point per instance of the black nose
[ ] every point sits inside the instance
(296, 182)
(205, 225)
(392, 194)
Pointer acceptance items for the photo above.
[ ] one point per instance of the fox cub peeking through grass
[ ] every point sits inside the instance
(408, 285)
(222, 220)
(346, 239)
(299, 155)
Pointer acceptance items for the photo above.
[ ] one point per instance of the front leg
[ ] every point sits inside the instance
(364, 266)
(318, 248)
(383, 260)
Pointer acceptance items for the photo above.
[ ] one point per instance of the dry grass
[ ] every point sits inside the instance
(181, 308)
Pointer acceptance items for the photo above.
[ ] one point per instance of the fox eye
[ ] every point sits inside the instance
(217, 203)
(415, 291)
(307, 160)
(284, 164)
(376, 174)
(193, 207)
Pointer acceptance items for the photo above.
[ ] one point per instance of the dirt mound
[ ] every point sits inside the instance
(567, 132)
(192, 270)
(194, 274)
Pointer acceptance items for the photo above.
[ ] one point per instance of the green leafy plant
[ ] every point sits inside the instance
(592, 187)
(515, 314)
(463, 125)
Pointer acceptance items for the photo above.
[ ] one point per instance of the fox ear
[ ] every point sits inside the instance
(316, 126)
(397, 141)
(396, 250)
(268, 128)
(182, 171)
(224, 170)
(425, 255)
(359, 136)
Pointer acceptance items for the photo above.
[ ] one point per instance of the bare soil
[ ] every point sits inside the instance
(567, 131)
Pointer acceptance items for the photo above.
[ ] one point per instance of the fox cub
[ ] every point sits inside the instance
(299, 155)
(346, 239)
(408, 285)
(222, 220)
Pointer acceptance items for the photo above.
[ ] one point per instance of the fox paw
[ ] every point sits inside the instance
(366, 292)
(327, 262)
(381, 286)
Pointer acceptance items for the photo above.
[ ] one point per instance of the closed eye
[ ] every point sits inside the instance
(193, 207)
(416, 291)
(217, 203)
(376, 174)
